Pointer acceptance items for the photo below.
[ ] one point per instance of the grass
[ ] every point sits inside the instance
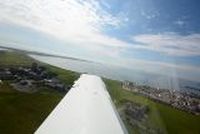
(23, 113)
(13, 59)
(66, 76)
(6, 88)
(161, 116)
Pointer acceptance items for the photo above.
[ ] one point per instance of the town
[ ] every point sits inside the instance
(30, 79)
(185, 101)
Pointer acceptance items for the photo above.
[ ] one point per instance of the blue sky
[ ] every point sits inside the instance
(150, 35)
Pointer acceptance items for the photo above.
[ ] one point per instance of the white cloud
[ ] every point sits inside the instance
(161, 68)
(170, 43)
(150, 15)
(156, 66)
(76, 22)
(79, 22)
(179, 22)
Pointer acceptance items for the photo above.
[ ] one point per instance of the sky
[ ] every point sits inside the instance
(157, 36)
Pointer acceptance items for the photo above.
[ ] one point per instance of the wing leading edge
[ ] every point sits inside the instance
(86, 109)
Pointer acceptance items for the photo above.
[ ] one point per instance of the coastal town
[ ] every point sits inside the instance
(185, 101)
(38, 87)
(30, 79)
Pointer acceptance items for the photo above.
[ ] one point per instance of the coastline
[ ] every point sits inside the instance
(159, 117)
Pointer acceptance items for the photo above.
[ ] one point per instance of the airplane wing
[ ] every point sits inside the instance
(86, 109)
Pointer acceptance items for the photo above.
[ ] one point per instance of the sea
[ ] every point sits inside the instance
(122, 74)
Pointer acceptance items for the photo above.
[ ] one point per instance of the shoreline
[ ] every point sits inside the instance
(158, 112)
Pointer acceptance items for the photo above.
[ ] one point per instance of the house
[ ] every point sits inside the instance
(6, 75)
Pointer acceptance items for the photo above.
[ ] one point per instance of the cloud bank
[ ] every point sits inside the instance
(170, 43)
(82, 23)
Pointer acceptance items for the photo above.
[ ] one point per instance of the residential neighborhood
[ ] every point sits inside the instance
(185, 101)
(28, 79)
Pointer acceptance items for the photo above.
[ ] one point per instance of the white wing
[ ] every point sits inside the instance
(86, 109)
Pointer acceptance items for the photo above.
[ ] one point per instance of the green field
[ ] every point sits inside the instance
(14, 59)
(22, 113)
(161, 116)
